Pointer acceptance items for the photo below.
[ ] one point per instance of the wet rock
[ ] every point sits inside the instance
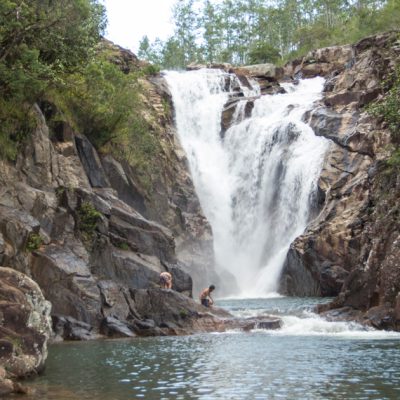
(166, 312)
(300, 273)
(112, 327)
(270, 88)
(232, 114)
(248, 324)
(69, 328)
(181, 281)
(176, 314)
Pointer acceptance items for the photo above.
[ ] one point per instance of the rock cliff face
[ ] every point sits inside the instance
(80, 224)
(351, 247)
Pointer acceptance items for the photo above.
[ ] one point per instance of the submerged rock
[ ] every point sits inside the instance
(249, 324)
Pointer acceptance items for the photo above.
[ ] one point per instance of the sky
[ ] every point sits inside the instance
(130, 20)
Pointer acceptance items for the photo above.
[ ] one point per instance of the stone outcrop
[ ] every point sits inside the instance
(350, 249)
(222, 66)
(174, 314)
(261, 71)
(25, 328)
(320, 62)
(267, 76)
(240, 105)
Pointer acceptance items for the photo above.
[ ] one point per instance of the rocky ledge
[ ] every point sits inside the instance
(166, 312)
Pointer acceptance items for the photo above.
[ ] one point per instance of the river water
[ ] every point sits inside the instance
(308, 358)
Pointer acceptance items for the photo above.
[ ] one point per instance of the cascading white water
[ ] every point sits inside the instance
(256, 184)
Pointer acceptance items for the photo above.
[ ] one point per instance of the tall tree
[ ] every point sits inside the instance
(211, 22)
(186, 28)
(243, 31)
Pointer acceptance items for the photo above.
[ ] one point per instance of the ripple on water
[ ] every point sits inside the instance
(256, 365)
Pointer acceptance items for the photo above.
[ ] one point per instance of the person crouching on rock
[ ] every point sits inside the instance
(205, 296)
(165, 280)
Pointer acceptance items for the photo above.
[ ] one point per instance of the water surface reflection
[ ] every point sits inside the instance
(255, 365)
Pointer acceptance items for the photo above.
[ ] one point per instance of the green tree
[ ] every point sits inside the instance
(186, 29)
(41, 42)
(211, 22)
(100, 99)
(152, 52)
(244, 31)
(40, 39)
(173, 55)
(262, 52)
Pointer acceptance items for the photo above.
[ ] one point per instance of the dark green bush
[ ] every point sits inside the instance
(39, 40)
(34, 242)
(87, 219)
(16, 124)
(389, 107)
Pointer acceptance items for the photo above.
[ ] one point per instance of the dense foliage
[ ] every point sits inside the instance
(388, 108)
(41, 42)
(256, 31)
(50, 50)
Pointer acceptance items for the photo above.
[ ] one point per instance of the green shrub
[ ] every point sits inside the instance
(389, 107)
(16, 124)
(88, 217)
(34, 242)
(151, 69)
(394, 160)
(123, 246)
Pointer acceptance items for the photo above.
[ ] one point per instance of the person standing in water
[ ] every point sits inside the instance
(205, 296)
(165, 280)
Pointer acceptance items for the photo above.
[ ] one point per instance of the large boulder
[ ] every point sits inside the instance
(261, 71)
(25, 328)
(166, 312)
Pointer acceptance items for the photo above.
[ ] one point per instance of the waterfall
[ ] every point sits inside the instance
(256, 183)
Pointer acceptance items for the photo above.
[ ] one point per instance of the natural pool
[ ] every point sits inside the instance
(308, 358)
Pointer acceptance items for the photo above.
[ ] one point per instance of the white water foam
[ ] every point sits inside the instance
(313, 324)
(256, 184)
